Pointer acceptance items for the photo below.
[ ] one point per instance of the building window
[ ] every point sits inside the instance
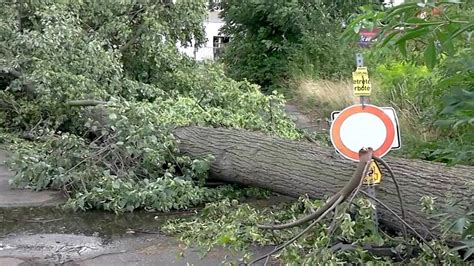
(215, 5)
(219, 43)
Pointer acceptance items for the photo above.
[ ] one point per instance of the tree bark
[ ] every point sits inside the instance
(297, 168)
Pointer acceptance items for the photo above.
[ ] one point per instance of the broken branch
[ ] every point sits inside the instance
(365, 156)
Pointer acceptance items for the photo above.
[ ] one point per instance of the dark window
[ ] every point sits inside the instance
(215, 5)
(219, 43)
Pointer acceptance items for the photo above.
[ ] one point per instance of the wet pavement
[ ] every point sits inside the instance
(32, 236)
(23, 197)
(66, 249)
(34, 230)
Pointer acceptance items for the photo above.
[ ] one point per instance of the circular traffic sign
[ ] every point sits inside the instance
(360, 126)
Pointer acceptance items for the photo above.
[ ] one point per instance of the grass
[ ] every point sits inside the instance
(321, 97)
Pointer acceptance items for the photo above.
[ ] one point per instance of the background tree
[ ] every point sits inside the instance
(270, 39)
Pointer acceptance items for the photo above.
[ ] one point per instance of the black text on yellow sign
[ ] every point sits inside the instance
(374, 175)
(362, 86)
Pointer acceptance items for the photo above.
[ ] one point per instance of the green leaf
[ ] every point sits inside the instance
(370, 25)
(112, 116)
(414, 34)
(357, 28)
(468, 246)
(415, 20)
(400, 9)
(430, 55)
(446, 44)
(436, 23)
(402, 46)
(468, 243)
(468, 253)
(389, 37)
(459, 31)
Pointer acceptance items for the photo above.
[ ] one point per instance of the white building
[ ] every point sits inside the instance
(215, 42)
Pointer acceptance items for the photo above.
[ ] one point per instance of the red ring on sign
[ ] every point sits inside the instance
(356, 109)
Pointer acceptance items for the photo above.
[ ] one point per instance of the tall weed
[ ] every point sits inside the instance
(323, 96)
(436, 107)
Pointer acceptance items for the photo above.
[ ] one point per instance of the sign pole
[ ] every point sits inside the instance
(370, 188)
(360, 63)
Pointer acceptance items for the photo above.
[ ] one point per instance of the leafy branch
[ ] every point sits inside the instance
(411, 22)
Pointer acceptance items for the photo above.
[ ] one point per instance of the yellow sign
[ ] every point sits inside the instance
(374, 176)
(362, 86)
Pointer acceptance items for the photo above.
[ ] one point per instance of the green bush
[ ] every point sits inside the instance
(321, 56)
(455, 118)
(435, 106)
(401, 84)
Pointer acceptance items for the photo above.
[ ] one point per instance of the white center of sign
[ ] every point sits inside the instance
(363, 130)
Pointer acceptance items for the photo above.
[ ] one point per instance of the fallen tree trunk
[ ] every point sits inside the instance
(297, 168)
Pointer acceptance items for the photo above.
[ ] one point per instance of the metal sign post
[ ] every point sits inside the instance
(363, 90)
(364, 97)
